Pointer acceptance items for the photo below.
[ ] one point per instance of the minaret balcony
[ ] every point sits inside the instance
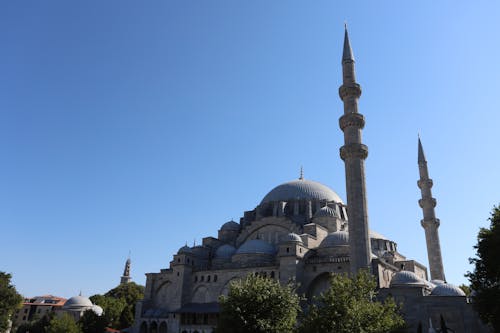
(430, 223)
(427, 202)
(354, 150)
(353, 89)
(352, 120)
(424, 183)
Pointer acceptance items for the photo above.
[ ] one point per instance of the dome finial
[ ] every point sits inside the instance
(301, 173)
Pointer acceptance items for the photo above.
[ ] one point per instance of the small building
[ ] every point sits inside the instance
(36, 307)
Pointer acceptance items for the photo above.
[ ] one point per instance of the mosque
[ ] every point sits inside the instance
(303, 231)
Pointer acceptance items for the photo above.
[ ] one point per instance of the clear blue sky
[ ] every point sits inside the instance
(140, 126)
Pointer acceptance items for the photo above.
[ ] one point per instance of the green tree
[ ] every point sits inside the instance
(258, 304)
(465, 288)
(127, 316)
(37, 325)
(485, 279)
(130, 292)
(64, 324)
(112, 309)
(118, 305)
(92, 323)
(349, 305)
(10, 300)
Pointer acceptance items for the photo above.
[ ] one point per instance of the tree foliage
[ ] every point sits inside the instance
(465, 288)
(112, 309)
(485, 279)
(349, 305)
(63, 324)
(92, 323)
(118, 305)
(36, 325)
(10, 300)
(130, 292)
(258, 304)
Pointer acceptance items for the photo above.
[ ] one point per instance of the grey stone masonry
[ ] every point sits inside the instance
(430, 223)
(354, 154)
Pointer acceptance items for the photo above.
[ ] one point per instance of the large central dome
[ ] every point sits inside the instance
(301, 189)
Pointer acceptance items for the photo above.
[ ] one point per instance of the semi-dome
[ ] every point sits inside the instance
(407, 279)
(77, 302)
(293, 237)
(326, 212)
(230, 226)
(225, 251)
(256, 246)
(337, 238)
(301, 189)
(447, 289)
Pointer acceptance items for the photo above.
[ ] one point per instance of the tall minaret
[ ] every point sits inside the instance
(354, 154)
(126, 273)
(430, 222)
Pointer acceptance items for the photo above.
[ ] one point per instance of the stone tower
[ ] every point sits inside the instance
(430, 223)
(126, 273)
(354, 154)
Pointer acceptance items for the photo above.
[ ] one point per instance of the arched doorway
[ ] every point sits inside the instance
(163, 327)
(144, 327)
(153, 328)
(320, 284)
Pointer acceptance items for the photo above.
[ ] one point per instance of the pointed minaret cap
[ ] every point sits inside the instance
(421, 155)
(347, 53)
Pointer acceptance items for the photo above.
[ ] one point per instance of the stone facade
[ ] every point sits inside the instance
(302, 231)
(299, 232)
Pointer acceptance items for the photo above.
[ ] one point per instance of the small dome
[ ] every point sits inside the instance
(301, 189)
(230, 226)
(293, 237)
(326, 212)
(337, 238)
(225, 251)
(185, 249)
(407, 279)
(254, 246)
(447, 289)
(97, 310)
(77, 302)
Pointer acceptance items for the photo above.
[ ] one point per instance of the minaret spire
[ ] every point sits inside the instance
(421, 155)
(126, 272)
(430, 223)
(354, 153)
(347, 52)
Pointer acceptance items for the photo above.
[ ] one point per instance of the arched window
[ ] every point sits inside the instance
(215, 277)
